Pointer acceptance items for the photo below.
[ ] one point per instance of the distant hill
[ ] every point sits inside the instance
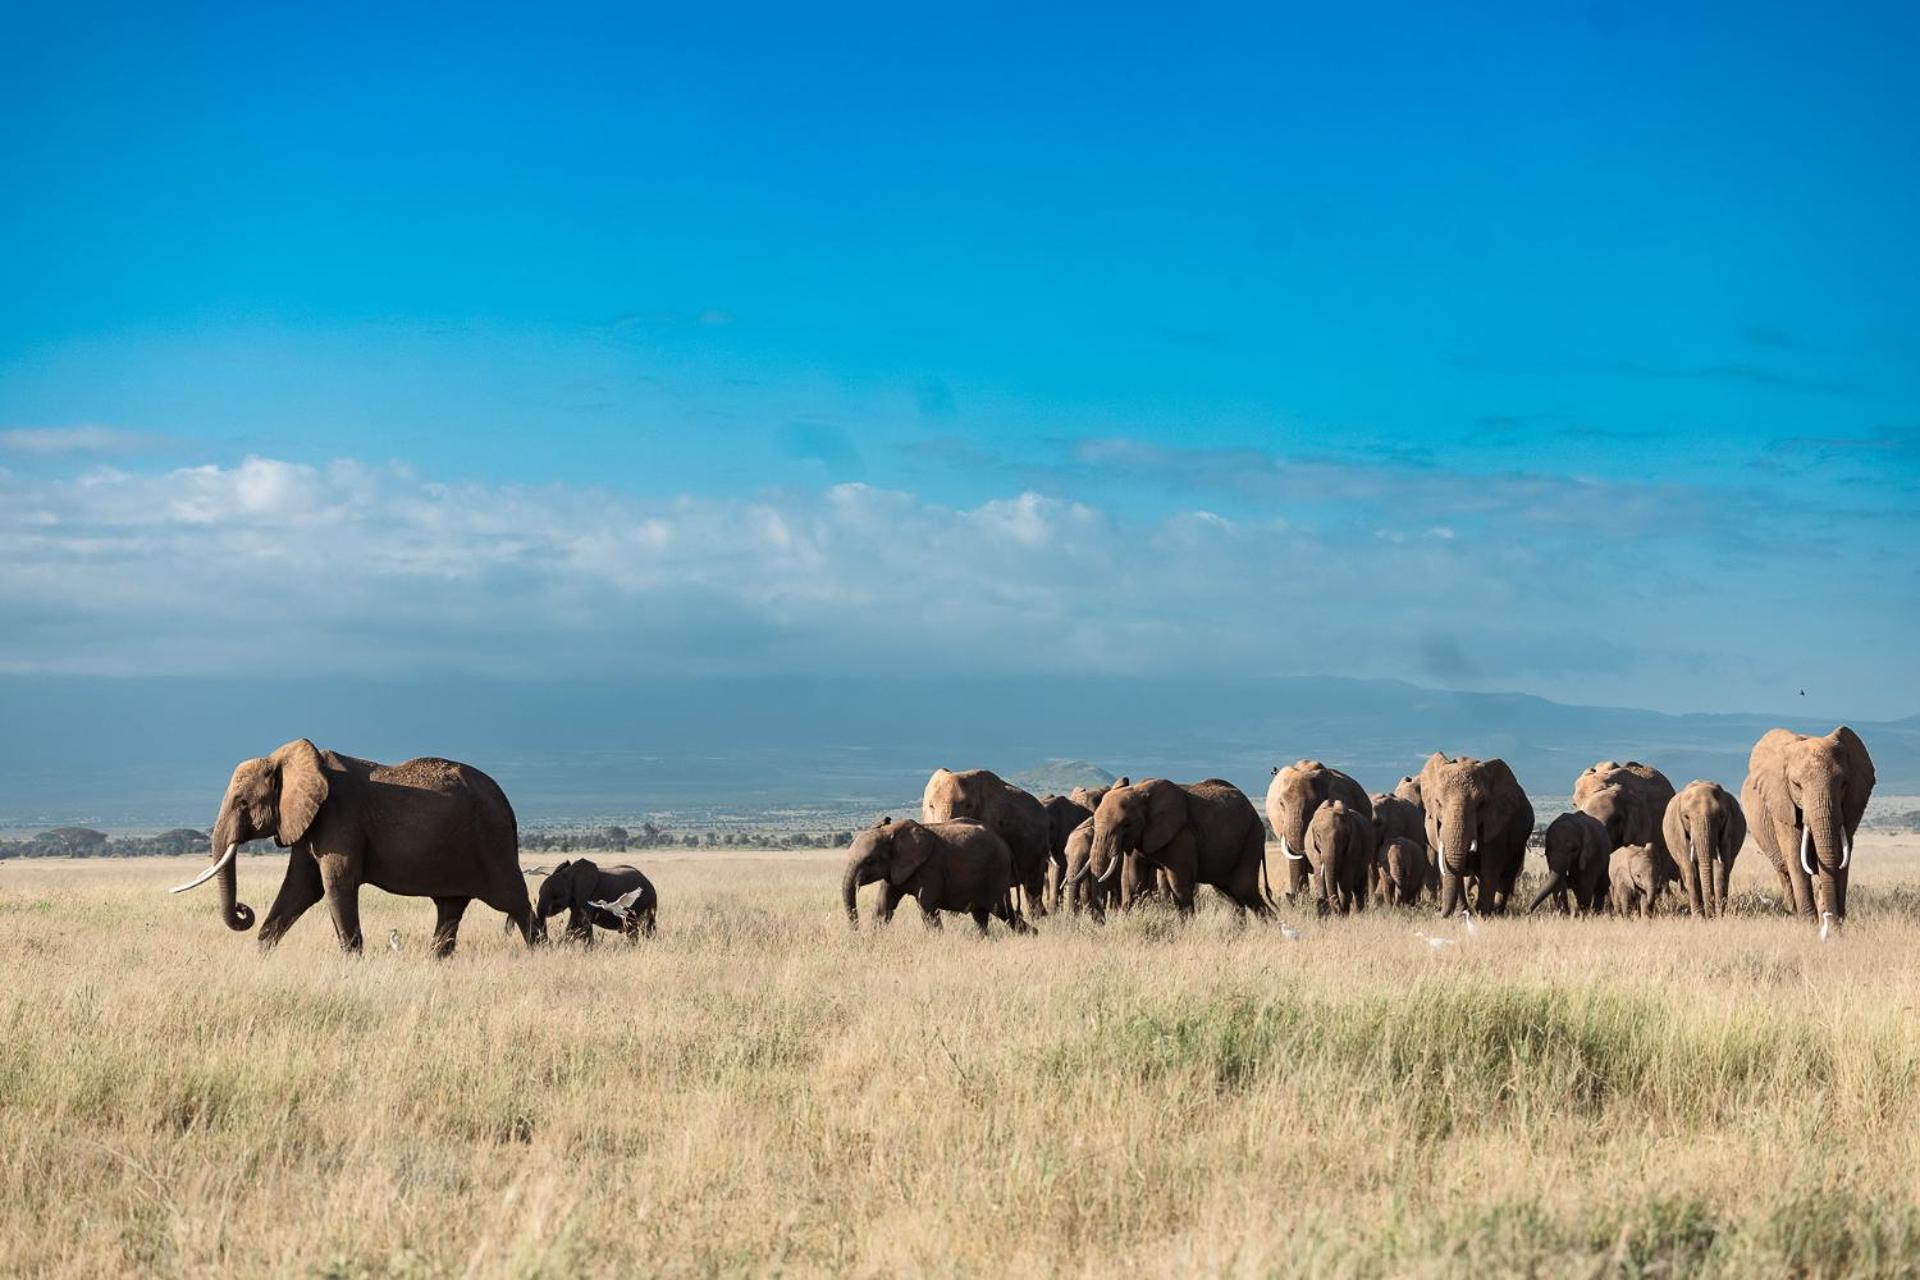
(1058, 777)
(157, 753)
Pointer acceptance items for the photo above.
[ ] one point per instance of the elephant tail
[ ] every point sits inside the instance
(1266, 883)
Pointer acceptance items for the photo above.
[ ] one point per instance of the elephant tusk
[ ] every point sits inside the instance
(1113, 865)
(1473, 845)
(209, 873)
(1806, 843)
(1846, 850)
(1288, 850)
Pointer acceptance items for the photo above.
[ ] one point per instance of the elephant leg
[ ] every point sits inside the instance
(446, 925)
(1297, 876)
(1801, 899)
(298, 891)
(1486, 899)
(980, 917)
(343, 899)
(929, 900)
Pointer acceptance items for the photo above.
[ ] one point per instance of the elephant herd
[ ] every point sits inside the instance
(1459, 829)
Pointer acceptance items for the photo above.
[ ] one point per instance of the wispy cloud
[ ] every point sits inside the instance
(53, 441)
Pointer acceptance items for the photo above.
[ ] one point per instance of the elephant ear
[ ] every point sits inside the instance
(584, 886)
(1166, 815)
(912, 845)
(1860, 779)
(1735, 832)
(1673, 828)
(303, 789)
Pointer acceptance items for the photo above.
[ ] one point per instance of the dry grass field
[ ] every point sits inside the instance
(758, 1090)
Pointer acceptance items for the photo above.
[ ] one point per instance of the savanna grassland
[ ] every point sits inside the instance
(759, 1090)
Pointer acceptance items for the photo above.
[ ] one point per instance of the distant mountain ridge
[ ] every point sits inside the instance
(157, 753)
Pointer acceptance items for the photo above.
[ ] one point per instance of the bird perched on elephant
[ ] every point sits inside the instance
(1632, 800)
(1295, 793)
(944, 866)
(1342, 852)
(1015, 815)
(576, 886)
(1478, 824)
(1635, 877)
(1195, 833)
(1577, 849)
(1401, 869)
(1704, 829)
(427, 828)
(1804, 798)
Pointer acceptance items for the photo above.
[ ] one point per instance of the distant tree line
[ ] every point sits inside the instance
(85, 842)
(649, 836)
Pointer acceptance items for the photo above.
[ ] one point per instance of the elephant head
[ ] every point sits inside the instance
(1408, 788)
(277, 795)
(568, 887)
(1142, 819)
(888, 850)
(1619, 810)
(1813, 792)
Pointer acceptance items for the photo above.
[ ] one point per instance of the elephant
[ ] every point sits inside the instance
(1014, 815)
(1636, 877)
(1400, 872)
(1635, 823)
(1704, 829)
(1478, 824)
(1577, 851)
(1804, 798)
(1079, 889)
(1296, 791)
(1196, 833)
(575, 886)
(427, 828)
(1396, 817)
(944, 866)
(1342, 852)
(1064, 815)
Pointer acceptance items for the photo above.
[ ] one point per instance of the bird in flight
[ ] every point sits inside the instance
(621, 906)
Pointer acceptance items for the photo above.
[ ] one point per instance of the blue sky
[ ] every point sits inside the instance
(1570, 349)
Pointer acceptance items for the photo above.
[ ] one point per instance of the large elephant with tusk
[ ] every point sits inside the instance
(1194, 833)
(426, 828)
(1478, 823)
(1296, 792)
(1704, 829)
(1804, 798)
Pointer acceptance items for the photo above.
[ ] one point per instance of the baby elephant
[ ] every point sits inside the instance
(612, 897)
(1634, 874)
(944, 866)
(1341, 850)
(1401, 872)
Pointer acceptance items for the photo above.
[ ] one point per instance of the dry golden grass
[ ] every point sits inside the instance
(758, 1090)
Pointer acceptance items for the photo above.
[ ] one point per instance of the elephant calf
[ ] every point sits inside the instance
(944, 866)
(575, 887)
(1634, 874)
(1401, 872)
(1341, 851)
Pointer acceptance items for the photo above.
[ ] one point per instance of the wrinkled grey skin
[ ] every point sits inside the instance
(1639, 820)
(1704, 829)
(1577, 850)
(1064, 814)
(1296, 792)
(1401, 872)
(944, 866)
(1635, 879)
(1079, 889)
(573, 887)
(1804, 798)
(1478, 824)
(1015, 815)
(1342, 851)
(427, 828)
(1196, 833)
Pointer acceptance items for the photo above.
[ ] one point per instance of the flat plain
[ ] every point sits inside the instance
(760, 1090)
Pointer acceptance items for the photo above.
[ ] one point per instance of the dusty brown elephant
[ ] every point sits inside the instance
(1578, 850)
(1197, 833)
(1064, 815)
(1297, 790)
(1016, 816)
(944, 866)
(1400, 872)
(1704, 830)
(1638, 820)
(426, 828)
(578, 885)
(1342, 852)
(1804, 798)
(1478, 824)
(1397, 817)
(1635, 878)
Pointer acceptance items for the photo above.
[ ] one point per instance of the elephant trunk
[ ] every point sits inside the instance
(1722, 867)
(1557, 883)
(849, 886)
(1449, 891)
(237, 914)
(1830, 853)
